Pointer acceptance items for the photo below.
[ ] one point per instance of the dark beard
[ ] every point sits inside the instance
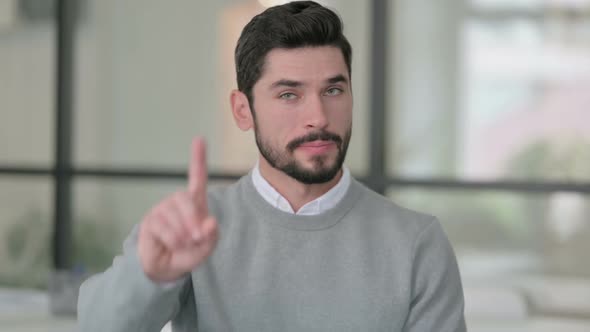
(290, 166)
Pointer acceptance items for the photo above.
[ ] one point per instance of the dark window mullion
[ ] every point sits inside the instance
(62, 232)
(378, 96)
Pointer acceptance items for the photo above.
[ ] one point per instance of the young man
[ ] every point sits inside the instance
(297, 244)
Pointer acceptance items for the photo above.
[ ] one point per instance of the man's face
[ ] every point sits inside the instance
(303, 112)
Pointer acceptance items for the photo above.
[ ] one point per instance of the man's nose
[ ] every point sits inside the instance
(316, 116)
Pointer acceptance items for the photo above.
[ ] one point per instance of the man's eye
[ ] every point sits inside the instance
(288, 96)
(333, 91)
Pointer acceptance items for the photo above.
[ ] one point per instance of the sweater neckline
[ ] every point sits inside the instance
(274, 216)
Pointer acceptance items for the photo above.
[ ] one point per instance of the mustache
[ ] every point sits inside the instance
(315, 136)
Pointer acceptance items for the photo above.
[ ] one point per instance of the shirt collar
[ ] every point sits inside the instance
(315, 207)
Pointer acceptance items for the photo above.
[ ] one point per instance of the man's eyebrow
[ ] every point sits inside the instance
(287, 83)
(337, 79)
(294, 84)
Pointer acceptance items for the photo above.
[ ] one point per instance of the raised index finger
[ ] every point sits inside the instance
(197, 172)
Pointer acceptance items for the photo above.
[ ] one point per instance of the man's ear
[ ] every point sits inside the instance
(241, 110)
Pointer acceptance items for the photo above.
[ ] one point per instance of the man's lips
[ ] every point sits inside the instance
(317, 139)
(317, 147)
(316, 144)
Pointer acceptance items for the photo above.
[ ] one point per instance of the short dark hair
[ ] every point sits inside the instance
(292, 25)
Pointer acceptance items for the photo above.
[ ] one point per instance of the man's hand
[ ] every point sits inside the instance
(178, 234)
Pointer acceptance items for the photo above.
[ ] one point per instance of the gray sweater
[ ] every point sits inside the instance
(364, 265)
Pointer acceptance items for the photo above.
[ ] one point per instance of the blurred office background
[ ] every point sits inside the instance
(477, 111)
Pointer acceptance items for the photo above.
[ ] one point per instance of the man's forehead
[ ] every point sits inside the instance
(317, 63)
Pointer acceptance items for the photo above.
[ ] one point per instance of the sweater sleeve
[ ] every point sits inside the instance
(123, 298)
(437, 302)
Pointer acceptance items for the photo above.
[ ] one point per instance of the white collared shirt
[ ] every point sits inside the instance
(315, 207)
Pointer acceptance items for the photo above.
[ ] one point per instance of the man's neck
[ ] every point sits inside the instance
(296, 193)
